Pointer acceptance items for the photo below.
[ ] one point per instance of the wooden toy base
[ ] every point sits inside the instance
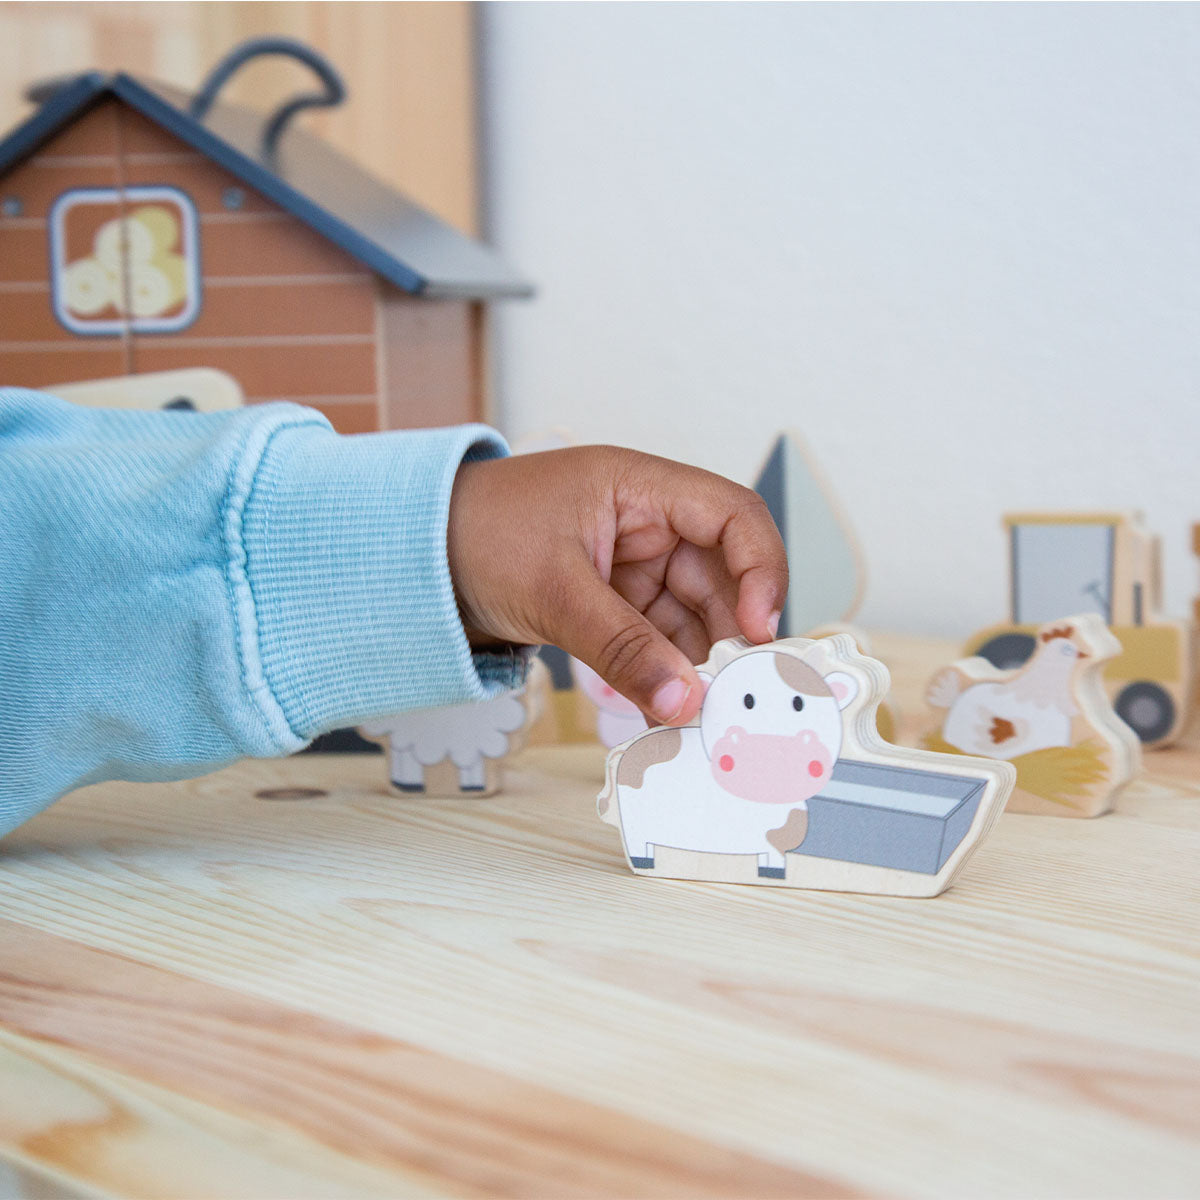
(211, 993)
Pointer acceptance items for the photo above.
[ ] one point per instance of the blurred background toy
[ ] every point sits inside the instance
(617, 719)
(458, 749)
(144, 229)
(1109, 564)
(1050, 717)
(828, 572)
(190, 389)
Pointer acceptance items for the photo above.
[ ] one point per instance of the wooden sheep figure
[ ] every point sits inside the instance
(784, 779)
(1051, 718)
(457, 749)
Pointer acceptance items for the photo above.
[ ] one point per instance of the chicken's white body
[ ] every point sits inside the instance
(1006, 718)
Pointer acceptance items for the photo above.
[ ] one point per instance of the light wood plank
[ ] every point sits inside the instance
(71, 1128)
(21, 1181)
(465, 1129)
(1031, 1031)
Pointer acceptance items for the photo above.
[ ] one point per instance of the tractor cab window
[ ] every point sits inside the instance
(1060, 569)
(124, 260)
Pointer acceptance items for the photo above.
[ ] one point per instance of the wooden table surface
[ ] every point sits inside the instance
(205, 993)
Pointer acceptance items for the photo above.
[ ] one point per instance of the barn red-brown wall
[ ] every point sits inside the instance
(34, 348)
(431, 361)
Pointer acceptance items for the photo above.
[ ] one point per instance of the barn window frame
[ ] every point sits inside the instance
(123, 198)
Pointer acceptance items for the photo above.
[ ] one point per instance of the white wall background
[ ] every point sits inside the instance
(958, 246)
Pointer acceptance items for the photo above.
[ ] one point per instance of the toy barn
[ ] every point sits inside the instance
(144, 230)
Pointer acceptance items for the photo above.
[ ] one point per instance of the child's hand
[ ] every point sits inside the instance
(634, 564)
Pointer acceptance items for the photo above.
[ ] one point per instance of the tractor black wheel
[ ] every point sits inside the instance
(1009, 650)
(1147, 708)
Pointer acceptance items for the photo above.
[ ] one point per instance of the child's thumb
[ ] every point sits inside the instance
(630, 654)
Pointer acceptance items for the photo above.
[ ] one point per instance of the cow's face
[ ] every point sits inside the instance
(772, 726)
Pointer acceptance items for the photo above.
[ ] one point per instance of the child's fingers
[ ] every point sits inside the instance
(700, 580)
(622, 646)
(760, 605)
(680, 624)
(691, 592)
(711, 511)
(756, 558)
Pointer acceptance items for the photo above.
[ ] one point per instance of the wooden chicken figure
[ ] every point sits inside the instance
(1051, 718)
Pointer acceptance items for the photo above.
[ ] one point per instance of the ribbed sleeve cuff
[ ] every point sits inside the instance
(346, 607)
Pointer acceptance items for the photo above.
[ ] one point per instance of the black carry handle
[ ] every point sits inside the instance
(334, 93)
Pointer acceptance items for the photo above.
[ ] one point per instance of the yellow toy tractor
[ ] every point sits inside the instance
(1063, 563)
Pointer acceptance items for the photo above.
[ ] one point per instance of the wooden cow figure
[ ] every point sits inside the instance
(783, 778)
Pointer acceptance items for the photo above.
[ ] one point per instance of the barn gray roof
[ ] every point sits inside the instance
(308, 178)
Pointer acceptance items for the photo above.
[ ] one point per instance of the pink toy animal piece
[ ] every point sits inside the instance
(617, 719)
(770, 731)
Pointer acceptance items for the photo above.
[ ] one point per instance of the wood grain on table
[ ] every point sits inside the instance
(205, 993)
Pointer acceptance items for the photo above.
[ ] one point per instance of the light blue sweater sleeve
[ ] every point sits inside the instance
(179, 590)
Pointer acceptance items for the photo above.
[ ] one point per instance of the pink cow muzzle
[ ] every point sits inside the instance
(771, 768)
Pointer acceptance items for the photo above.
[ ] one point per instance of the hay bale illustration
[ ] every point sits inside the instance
(1062, 775)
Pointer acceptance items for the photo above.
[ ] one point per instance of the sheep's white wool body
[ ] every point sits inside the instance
(463, 733)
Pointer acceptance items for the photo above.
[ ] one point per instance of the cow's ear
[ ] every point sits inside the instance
(705, 682)
(844, 687)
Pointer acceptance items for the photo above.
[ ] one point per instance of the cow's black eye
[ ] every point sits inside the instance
(748, 700)
(798, 703)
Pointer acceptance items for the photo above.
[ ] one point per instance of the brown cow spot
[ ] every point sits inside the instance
(1002, 730)
(658, 747)
(799, 676)
(791, 833)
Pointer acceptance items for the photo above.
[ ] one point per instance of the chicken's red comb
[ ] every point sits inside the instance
(1063, 631)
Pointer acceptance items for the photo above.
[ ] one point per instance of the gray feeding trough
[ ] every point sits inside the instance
(883, 816)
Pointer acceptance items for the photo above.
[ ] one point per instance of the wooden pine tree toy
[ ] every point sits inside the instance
(1051, 718)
